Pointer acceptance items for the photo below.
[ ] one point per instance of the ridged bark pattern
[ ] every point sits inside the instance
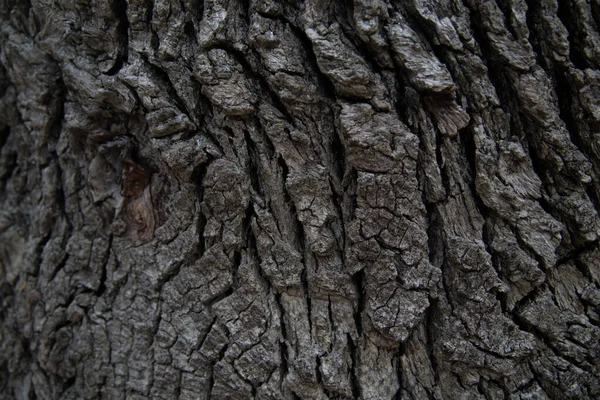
(319, 199)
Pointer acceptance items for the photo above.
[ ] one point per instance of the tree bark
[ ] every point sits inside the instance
(366, 199)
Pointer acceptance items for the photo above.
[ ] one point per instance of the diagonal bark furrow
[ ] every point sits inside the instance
(120, 10)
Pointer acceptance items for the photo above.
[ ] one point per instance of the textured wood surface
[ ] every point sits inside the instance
(315, 199)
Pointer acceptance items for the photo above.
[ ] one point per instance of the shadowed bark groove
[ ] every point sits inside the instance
(359, 199)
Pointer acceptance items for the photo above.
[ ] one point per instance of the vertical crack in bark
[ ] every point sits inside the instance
(341, 17)
(398, 358)
(254, 172)
(325, 85)
(353, 347)
(576, 41)
(307, 296)
(254, 76)
(354, 343)
(120, 10)
(103, 274)
(197, 178)
(430, 335)
(358, 279)
(283, 342)
(163, 76)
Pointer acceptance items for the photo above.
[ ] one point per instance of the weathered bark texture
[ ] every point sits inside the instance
(311, 199)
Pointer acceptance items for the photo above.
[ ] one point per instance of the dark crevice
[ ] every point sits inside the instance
(530, 134)
(39, 250)
(535, 24)
(427, 31)
(197, 178)
(565, 96)
(436, 252)
(283, 368)
(531, 297)
(252, 164)
(430, 337)
(405, 104)
(353, 348)
(362, 48)
(480, 389)
(341, 238)
(587, 272)
(359, 283)
(592, 191)
(595, 6)
(284, 174)
(485, 350)
(338, 152)
(349, 188)
(467, 139)
(565, 93)
(466, 136)
(528, 249)
(149, 12)
(68, 384)
(211, 382)
(205, 130)
(569, 111)
(58, 267)
(266, 140)
(4, 133)
(177, 391)
(163, 76)
(103, 274)
(488, 55)
(196, 9)
(548, 342)
(230, 139)
(190, 31)
(323, 83)
(540, 170)
(236, 263)
(215, 299)
(548, 204)
(58, 116)
(20, 11)
(400, 354)
(205, 334)
(5, 82)
(286, 196)
(251, 246)
(507, 11)
(306, 295)
(318, 372)
(254, 76)
(439, 138)
(299, 228)
(120, 11)
(9, 165)
(575, 253)
(576, 39)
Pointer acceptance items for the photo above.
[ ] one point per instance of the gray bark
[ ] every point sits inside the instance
(281, 200)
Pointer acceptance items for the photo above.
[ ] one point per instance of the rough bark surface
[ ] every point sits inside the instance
(313, 199)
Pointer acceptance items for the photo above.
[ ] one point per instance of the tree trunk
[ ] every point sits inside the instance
(324, 199)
